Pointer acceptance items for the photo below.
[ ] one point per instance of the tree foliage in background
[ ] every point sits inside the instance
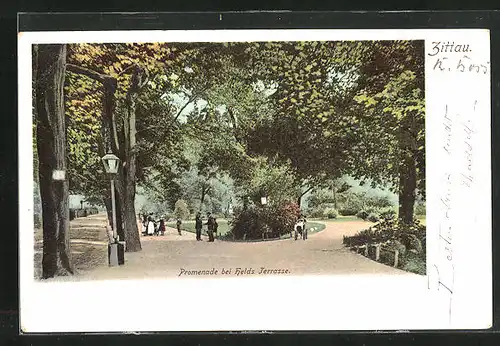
(181, 210)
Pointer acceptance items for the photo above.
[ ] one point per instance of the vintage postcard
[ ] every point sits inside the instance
(254, 180)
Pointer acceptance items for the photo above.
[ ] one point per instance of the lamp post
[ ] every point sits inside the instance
(111, 162)
(263, 201)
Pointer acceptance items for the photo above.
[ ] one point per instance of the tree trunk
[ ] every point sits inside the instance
(299, 200)
(51, 147)
(202, 199)
(407, 187)
(132, 238)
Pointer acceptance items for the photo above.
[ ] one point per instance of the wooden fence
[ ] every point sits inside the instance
(378, 247)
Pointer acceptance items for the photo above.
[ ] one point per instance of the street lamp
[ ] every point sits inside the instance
(111, 162)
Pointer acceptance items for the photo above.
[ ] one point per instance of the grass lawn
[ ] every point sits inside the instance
(224, 227)
(188, 226)
(339, 218)
(318, 227)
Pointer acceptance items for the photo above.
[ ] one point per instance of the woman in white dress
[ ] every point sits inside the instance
(150, 227)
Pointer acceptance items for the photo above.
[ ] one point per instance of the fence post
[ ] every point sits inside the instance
(396, 255)
(377, 252)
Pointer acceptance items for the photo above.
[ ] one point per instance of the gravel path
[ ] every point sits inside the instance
(166, 256)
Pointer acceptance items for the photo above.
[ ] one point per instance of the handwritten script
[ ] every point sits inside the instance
(456, 57)
(457, 146)
(456, 67)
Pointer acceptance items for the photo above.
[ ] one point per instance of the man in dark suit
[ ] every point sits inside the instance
(198, 226)
(210, 225)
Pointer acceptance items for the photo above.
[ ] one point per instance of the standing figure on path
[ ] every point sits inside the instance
(198, 226)
(161, 228)
(299, 228)
(216, 225)
(150, 227)
(179, 223)
(304, 230)
(210, 225)
(145, 223)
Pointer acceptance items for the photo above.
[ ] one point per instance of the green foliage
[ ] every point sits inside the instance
(274, 182)
(414, 263)
(420, 209)
(408, 239)
(362, 214)
(392, 110)
(247, 224)
(282, 219)
(389, 230)
(251, 222)
(316, 212)
(181, 210)
(331, 213)
(373, 217)
(387, 213)
(221, 122)
(347, 211)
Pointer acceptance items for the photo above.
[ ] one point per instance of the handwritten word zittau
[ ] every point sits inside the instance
(448, 47)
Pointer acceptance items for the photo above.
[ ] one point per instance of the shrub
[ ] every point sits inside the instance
(373, 217)
(408, 238)
(316, 212)
(251, 222)
(420, 209)
(379, 202)
(246, 223)
(415, 264)
(348, 211)
(350, 203)
(282, 219)
(362, 214)
(331, 213)
(181, 210)
(387, 214)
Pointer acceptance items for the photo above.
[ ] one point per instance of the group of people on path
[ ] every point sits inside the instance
(211, 226)
(152, 227)
(300, 228)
